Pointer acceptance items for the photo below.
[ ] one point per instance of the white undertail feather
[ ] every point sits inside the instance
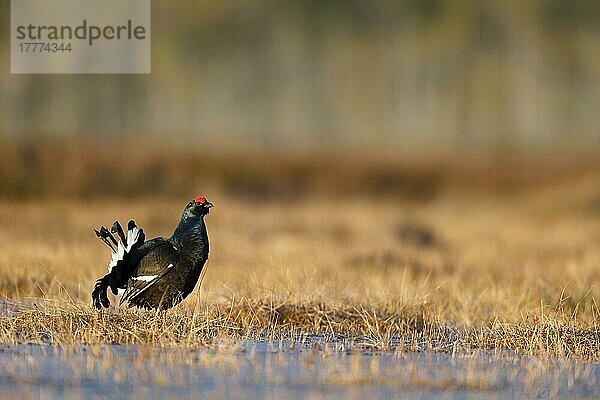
(116, 256)
(132, 237)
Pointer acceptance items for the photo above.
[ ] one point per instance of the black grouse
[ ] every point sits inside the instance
(158, 273)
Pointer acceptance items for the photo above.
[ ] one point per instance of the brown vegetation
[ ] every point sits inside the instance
(515, 270)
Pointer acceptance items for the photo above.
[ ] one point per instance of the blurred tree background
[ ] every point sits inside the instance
(422, 76)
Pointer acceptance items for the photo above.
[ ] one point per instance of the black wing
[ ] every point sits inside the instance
(157, 257)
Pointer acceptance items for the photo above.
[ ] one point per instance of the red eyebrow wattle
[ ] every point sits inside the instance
(200, 199)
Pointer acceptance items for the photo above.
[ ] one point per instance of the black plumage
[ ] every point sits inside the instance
(158, 273)
(116, 228)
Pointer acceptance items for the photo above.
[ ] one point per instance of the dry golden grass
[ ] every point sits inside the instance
(461, 271)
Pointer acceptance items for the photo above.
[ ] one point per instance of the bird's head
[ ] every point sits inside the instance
(199, 206)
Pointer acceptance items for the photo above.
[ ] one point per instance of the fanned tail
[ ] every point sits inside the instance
(118, 268)
(126, 244)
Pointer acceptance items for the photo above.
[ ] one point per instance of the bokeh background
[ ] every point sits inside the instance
(274, 100)
(439, 77)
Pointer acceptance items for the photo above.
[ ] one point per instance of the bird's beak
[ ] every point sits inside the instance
(208, 204)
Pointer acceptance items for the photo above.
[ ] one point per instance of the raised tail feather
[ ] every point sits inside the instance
(107, 238)
(118, 268)
(116, 228)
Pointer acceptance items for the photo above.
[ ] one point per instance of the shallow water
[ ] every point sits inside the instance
(283, 370)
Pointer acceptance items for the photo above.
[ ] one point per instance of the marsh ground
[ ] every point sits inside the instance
(315, 368)
(452, 270)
